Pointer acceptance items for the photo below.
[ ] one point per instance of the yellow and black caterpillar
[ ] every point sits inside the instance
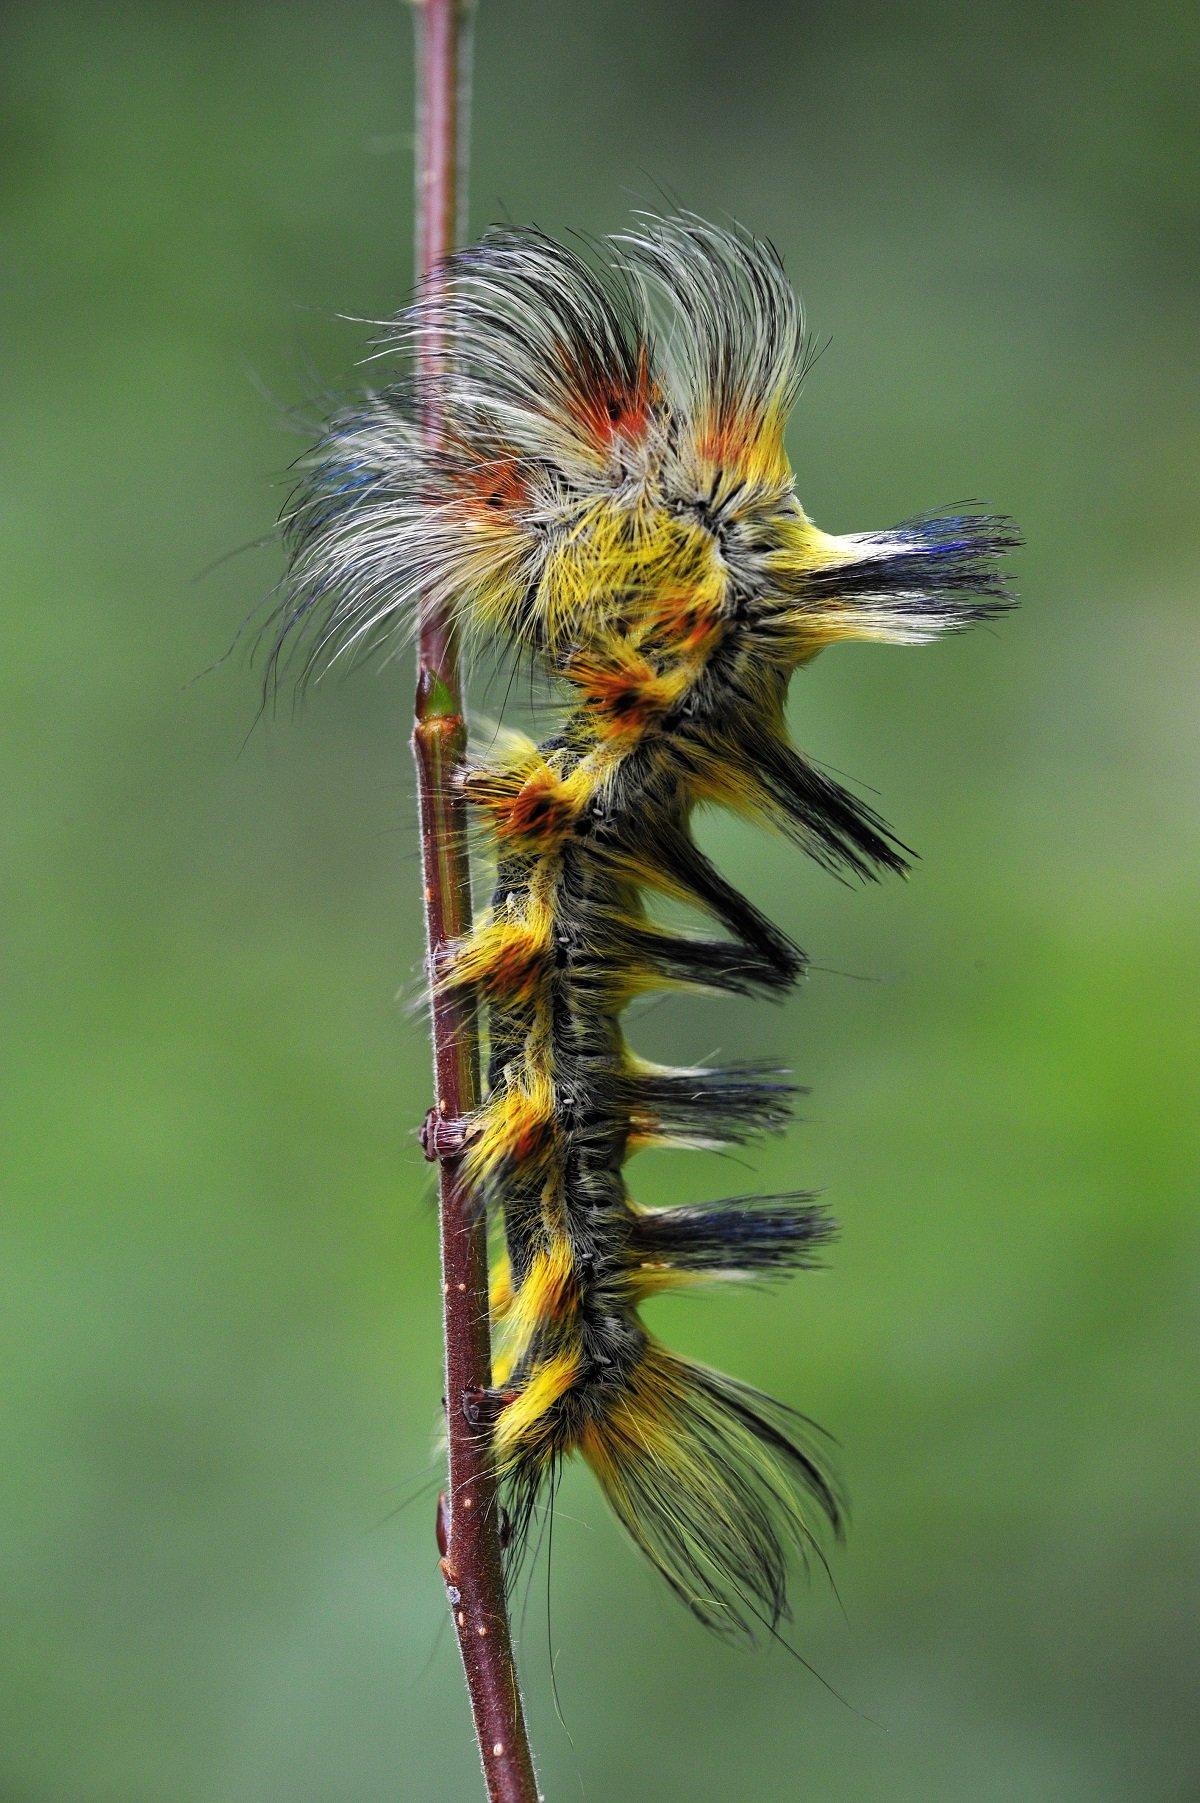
(609, 494)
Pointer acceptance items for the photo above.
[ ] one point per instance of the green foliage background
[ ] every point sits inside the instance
(220, 1340)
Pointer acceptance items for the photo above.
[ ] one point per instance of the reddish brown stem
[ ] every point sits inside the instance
(468, 1517)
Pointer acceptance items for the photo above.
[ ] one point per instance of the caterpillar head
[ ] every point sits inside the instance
(610, 438)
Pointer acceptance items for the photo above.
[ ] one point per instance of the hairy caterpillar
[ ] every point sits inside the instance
(609, 494)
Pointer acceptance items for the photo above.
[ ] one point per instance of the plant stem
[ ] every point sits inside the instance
(468, 1517)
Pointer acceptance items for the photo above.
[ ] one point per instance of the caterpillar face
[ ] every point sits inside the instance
(609, 494)
(683, 529)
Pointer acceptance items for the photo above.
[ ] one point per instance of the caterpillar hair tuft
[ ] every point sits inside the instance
(609, 495)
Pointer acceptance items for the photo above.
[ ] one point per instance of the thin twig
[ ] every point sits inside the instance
(468, 1516)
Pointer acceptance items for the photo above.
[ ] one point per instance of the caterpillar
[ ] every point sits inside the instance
(609, 497)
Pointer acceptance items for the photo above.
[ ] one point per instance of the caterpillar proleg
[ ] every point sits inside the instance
(609, 495)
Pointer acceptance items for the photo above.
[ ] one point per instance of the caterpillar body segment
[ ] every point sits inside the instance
(611, 497)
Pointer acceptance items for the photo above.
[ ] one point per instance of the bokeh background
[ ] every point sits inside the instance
(220, 1338)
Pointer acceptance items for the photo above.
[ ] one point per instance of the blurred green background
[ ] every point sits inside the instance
(220, 1338)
